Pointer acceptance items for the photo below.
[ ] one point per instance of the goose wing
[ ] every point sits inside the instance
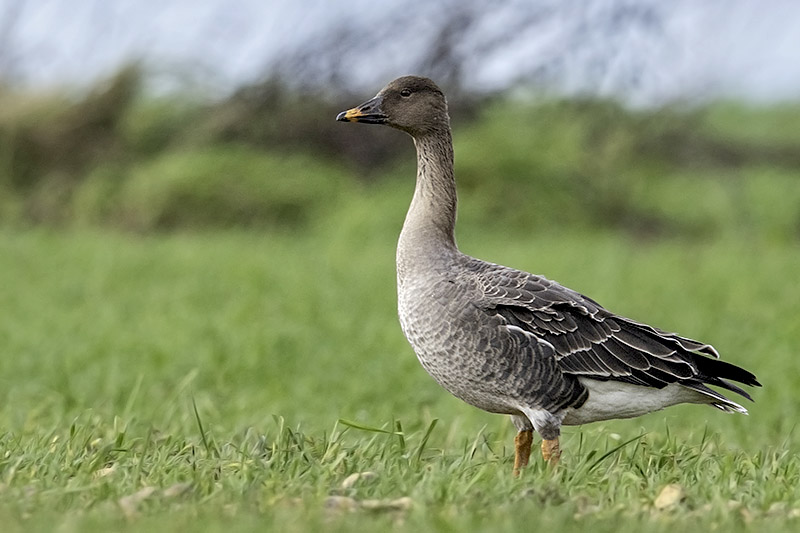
(592, 342)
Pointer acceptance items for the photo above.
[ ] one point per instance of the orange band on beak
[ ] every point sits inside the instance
(352, 115)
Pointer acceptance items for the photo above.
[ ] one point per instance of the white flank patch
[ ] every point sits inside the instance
(615, 399)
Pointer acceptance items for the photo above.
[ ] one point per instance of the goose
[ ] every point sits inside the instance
(510, 342)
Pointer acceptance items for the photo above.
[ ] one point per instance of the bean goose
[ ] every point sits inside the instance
(510, 342)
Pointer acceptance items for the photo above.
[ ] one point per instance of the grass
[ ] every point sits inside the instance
(235, 380)
(239, 379)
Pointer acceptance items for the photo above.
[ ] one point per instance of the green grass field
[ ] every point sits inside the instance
(233, 381)
(198, 326)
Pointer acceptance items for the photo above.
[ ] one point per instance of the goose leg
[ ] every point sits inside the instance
(551, 452)
(522, 449)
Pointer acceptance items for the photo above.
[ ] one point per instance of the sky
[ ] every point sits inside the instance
(645, 51)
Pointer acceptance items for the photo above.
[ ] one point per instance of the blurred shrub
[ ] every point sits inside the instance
(153, 125)
(593, 163)
(96, 201)
(221, 187)
(760, 135)
(50, 142)
(555, 163)
(269, 156)
(61, 138)
(269, 115)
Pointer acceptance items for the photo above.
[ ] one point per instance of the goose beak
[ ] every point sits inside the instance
(369, 112)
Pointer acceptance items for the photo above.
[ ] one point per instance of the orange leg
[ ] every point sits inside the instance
(551, 452)
(522, 450)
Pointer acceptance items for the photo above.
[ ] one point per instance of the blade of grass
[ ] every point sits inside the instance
(400, 437)
(364, 427)
(614, 450)
(139, 467)
(421, 448)
(211, 450)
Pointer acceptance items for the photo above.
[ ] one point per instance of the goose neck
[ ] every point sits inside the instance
(429, 228)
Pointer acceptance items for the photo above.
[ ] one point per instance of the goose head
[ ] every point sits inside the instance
(412, 104)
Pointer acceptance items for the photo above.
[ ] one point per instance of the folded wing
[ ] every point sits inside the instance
(592, 342)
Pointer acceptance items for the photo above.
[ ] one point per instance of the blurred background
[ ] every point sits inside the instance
(180, 212)
(152, 116)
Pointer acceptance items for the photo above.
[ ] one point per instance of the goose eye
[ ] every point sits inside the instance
(405, 93)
